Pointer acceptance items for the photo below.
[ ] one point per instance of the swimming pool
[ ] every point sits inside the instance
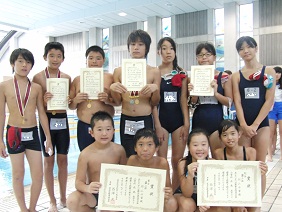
(6, 169)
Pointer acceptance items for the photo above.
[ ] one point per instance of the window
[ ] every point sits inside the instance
(219, 39)
(166, 27)
(105, 46)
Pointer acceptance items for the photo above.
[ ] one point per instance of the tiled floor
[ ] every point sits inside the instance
(272, 200)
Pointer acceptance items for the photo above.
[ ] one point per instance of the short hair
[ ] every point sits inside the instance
(226, 124)
(100, 115)
(95, 49)
(228, 72)
(54, 45)
(171, 41)
(143, 36)
(26, 54)
(146, 133)
(249, 40)
(207, 46)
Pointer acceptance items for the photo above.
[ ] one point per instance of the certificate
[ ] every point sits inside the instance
(130, 188)
(59, 88)
(229, 183)
(134, 74)
(92, 81)
(201, 78)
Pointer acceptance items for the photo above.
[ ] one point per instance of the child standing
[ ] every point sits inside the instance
(54, 55)
(146, 144)
(186, 194)
(229, 134)
(23, 98)
(103, 150)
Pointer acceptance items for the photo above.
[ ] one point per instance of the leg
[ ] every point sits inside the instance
(215, 142)
(163, 148)
(62, 161)
(244, 141)
(49, 180)
(274, 140)
(280, 135)
(178, 148)
(17, 161)
(259, 142)
(81, 202)
(36, 171)
(185, 204)
(272, 126)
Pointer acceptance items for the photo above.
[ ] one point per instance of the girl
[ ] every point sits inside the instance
(275, 116)
(186, 194)
(253, 99)
(209, 109)
(172, 116)
(229, 134)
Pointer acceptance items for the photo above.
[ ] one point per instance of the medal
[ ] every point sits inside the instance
(89, 105)
(137, 101)
(22, 104)
(53, 112)
(134, 95)
(131, 101)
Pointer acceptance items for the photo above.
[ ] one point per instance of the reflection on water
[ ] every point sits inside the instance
(6, 169)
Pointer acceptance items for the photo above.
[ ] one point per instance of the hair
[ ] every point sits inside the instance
(95, 49)
(249, 40)
(228, 72)
(146, 133)
(194, 132)
(26, 54)
(279, 70)
(143, 36)
(54, 45)
(226, 124)
(171, 41)
(101, 116)
(207, 46)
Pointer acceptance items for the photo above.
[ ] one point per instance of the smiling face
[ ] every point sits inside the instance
(54, 58)
(230, 137)
(145, 148)
(95, 60)
(199, 147)
(103, 131)
(205, 57)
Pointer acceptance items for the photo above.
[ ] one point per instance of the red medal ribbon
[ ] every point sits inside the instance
(19, 98)
(47, 74)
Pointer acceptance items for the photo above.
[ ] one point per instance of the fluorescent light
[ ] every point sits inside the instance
(8, 27)
(122, 14)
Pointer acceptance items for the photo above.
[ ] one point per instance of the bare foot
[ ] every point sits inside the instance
(269, 158)
(52, 208)
(62, 205)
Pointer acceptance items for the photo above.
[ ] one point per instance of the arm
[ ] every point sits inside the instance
(186, 183)
(194, 99)
(185, 111)
(223, 99)
(117, 88)
(157, 123)
(123, 158)
(75, 95)
(3, 152)
(218, 154)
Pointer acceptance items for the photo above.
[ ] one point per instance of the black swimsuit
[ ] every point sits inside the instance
(244, 153)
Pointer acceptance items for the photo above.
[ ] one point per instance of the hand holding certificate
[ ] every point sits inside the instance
(201, 78)
(92, 81)
(229, 183)
(134, 74)
(129, 188)
(59, 88)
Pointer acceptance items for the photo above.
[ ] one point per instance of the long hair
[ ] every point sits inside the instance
(279, 70)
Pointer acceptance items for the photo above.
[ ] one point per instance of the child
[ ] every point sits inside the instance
(253, 99)
(102, 150)
(146, 144)
(136, 114)
(186, 194)
(229, 134)
(95, 58)
(23, 98)
(54, 55)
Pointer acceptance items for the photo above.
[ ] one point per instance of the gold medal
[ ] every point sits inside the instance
(89, 105)
(137, 101)
(53, 112)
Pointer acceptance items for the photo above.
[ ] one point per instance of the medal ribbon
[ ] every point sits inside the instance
(47, 74)
(19, 98)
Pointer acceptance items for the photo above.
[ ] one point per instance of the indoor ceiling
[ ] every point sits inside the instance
(62, 17)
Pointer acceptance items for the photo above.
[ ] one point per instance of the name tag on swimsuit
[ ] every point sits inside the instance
(58, 124)
(27, 136)
(251, 93)
(132, 126)
(170, 97)
(211, 100)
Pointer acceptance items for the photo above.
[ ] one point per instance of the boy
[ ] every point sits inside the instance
(146, 144)
(23, 98)
(54, 55)
(95, 58)
(136, 114)
(102, 150)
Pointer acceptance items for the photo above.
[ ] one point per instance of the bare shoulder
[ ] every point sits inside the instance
(35, 85)
(132, 161)
(117, 147)
(117, 70)
(153, 69)
(269, 70)
(76, 79)
(64, 75)
(108, 76)
(39, 76)
(218, 154)
(250, 151)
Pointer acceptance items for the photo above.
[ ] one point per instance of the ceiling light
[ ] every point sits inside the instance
(122, 14)
(98, 19)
